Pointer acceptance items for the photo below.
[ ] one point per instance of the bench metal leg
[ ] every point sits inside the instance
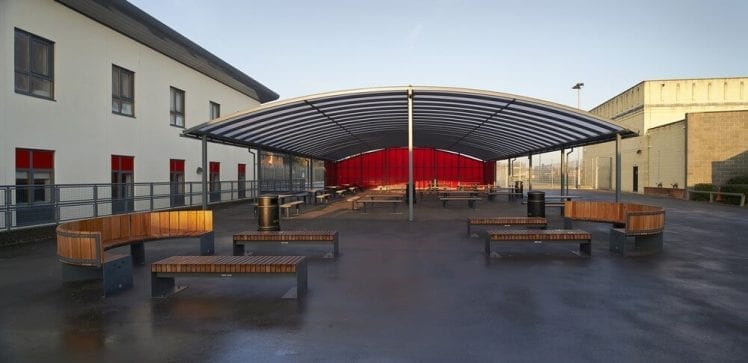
(585, 249)
(301, 280)
(238, 249)
(625, 245)
(72, 273)
(568, 224)
(207, 244)
(137, 251)
(471, 204)
(117, 275)
(161, 286)
(468, 228)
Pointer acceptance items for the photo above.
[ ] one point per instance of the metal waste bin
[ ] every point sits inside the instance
(536, 204)
(268, 213)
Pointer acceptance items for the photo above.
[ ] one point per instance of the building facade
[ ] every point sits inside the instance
(98, 92)
(659, 155)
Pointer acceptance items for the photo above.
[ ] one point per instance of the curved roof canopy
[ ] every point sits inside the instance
(482, 124)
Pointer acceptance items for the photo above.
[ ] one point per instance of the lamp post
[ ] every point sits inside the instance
(578, 87)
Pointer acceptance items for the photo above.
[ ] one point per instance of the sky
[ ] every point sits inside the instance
(536, 49)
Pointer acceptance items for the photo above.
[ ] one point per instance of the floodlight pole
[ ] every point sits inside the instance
(411, 186)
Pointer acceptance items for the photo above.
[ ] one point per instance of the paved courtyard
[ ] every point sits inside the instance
(406, 291)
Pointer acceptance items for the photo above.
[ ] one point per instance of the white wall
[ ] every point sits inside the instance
(79, 125)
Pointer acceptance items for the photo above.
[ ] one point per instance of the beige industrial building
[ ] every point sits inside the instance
(690, 131)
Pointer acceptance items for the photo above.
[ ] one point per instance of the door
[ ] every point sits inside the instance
(176, 182)
(636, 179)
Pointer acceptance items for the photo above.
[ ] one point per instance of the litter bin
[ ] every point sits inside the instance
(268, 213)
(536, 204)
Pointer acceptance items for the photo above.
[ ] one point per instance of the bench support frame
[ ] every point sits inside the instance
(116, 274)
(646, 244)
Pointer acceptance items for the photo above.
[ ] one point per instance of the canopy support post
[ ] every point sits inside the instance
(618, 167)
(411, 186)
(529, 173)
(205, 171)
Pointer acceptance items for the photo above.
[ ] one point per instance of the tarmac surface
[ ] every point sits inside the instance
(406, 291)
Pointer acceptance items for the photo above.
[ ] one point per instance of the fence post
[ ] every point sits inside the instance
(151, 187)
(95, 200)
(191, 194)
(56, 199)
(8, 217)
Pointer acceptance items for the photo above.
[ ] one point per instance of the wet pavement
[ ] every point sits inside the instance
(406, 291)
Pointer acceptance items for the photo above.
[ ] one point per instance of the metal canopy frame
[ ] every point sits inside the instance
(481, 124)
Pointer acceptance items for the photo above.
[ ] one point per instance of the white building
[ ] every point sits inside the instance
(100, 91)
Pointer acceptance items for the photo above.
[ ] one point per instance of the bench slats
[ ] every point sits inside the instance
(507, 221)
(285, 236)
(227, 264)
(542, 234)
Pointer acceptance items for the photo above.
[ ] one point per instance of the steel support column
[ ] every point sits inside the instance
(563, 170)
(410, 155)
(205, 172)
(618, 167)
(529, 173)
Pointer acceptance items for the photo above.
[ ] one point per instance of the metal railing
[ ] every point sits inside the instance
(27, 206)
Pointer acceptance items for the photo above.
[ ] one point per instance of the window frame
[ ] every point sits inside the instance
(29, 73)
(173, 113)
(119, 98)
(214, 106)
(26, 194)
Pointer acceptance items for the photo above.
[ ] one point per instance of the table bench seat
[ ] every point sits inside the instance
(540, 235)
(285, 238)
(295, 204)
(393, 202)
(164, 271)
(506, 221)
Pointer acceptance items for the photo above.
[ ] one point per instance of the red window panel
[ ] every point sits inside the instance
(23, 159)
(123, 163)
(176, 166)
(37, 159)
(242, 169)
(215, 167)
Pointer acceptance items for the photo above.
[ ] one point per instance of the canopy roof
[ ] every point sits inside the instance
(482, 124)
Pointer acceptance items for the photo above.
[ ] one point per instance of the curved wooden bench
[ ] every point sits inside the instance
(82, 245)
(634, 224)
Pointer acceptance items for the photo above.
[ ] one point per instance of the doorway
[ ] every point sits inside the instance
(636, 179)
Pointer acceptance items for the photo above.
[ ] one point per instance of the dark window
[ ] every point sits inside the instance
(215, 110)
(176, 178)
(34, 176)
(123, 91)
(123, 190)
(214, 181)
(242, 174)
(177, 107)
(34, 65)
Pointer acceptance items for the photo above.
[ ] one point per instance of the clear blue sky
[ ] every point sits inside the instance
(531, 48)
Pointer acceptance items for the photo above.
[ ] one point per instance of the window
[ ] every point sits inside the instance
(176, 180)
(215, 110)
(123, 90)
(214, 181)
(34, 176)
(34, 65)
(123, 190)
(242, 176)
(177, 107)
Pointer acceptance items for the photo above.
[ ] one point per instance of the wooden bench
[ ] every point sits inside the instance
(164, 271)
(540, 235)
(637, 226)
(507, 221)
(287, 206)
(322, 197)
(470, 200)
(284, 238)
(353, 200)
(82, 245)
(393, 202)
